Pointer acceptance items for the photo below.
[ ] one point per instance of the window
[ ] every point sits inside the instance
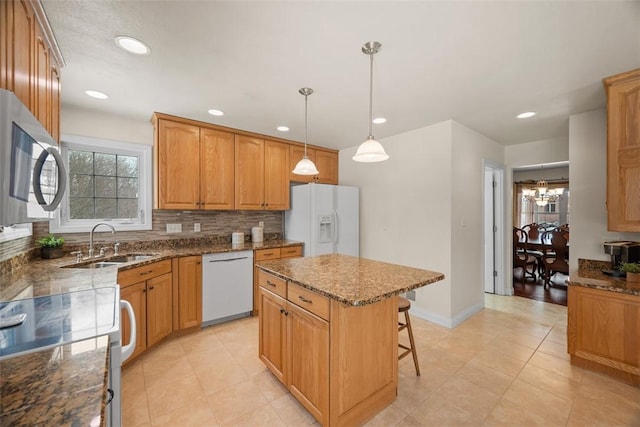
(14, 232)
(551, 215)
(108, 181)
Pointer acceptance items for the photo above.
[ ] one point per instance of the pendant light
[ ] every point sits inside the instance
(305, 166)
(370, 150)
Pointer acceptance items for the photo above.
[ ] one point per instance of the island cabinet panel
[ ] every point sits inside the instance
(623, 151)
(341, 361)
(364, 360)
(273, 333)
(308, 358)
(270, 282)
(603, 331)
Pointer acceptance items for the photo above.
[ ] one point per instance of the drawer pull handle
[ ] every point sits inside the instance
(268, 254)
(270, 283)
(146, 272)
(303, 299)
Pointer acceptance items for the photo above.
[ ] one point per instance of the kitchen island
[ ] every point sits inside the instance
(329, 331)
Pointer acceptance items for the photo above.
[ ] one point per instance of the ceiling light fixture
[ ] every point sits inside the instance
(96, 94)
(305, 166)
(379, 120)
(283, 129)
(541, 194)
(217, 113)
(132, 45)
(370, 150)
(526, 115)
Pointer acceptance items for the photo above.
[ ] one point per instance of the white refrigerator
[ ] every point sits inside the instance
(324, 217)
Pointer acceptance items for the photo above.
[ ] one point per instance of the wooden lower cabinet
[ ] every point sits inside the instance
(149, 289)
(268, 254)
(603, 332)
(340, 362)
(187, 296)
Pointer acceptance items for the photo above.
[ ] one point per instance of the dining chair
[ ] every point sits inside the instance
(557, 260)
(521, 257)
(535, 232)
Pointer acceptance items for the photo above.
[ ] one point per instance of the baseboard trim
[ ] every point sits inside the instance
(447, 322)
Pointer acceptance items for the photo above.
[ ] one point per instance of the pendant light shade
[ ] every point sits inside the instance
(370, 151)
(305, 166)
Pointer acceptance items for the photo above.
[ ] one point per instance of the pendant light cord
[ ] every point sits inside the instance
(371, 97)
(305, 126)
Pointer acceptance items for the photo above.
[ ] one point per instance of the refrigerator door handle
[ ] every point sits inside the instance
(335, 227)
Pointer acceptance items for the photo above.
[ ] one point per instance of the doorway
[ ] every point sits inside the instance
(493, 229)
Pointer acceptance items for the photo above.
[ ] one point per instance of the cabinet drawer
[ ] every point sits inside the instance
(263, 254)
(309, 300)
(275, 284)
(145, 272)
(291, 252)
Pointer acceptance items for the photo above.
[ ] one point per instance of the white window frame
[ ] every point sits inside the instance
(62, 223)
(15, 232)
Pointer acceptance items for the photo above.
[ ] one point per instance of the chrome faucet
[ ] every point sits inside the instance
(113, 231)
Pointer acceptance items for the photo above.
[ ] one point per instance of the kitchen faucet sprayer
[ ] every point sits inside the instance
(113, 231)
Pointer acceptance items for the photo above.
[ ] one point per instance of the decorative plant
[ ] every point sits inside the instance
(50, 241)
(630, 267)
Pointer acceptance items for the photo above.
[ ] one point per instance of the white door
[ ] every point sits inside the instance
(493, 242)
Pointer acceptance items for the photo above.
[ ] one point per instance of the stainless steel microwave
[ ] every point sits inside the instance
(32, 174)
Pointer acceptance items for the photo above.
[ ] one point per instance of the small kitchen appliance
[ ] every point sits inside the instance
(621, 251)
(257, 234)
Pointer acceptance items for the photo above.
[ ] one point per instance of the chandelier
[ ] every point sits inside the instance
(541, 194)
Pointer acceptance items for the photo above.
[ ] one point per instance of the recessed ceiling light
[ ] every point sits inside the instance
(216, 113)
(283, 129)
(96, 94)
(379, 120)
(132, 45)
(526, 115)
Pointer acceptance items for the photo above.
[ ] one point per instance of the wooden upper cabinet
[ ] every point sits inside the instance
(327, 164)
(623, 151)
(217, 166)
(178, 165)
(325, 161)
(276, 175)
(249, 173)
(30, 61)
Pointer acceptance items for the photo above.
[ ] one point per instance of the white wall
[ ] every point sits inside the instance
(537, 152)
(405, 208)
(588, 180)
(546, 173)
(470, 150)
(423, 208)
(106, 126)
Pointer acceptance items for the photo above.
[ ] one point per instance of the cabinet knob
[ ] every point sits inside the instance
(151, 288)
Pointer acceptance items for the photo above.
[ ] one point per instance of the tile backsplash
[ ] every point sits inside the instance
(212, 223)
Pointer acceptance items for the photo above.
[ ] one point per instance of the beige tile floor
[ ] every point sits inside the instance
(505, 366)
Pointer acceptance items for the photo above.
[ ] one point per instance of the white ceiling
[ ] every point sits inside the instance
(479, 63)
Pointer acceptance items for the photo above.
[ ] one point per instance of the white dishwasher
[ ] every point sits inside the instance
(227, 286)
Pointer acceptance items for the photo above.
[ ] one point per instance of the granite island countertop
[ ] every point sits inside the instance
(62, 386)
(589, 275)
(350, 280)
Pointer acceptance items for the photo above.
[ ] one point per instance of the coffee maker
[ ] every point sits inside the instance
(621, 251)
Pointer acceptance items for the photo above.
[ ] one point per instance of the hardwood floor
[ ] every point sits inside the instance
(556, 294)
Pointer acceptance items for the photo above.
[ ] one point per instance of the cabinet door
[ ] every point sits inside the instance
(623, 151)
(54, 97)
(217, 167)
(159, 313)
(17, 50)
(327, 164)
(272, 333)
(295, 155)
(136, 295)
(190, 291)
(276, 175)
(249, 173)
(42, 81)
(178, 157)
(308, 361)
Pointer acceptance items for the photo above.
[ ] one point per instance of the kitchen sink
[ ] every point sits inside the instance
(111, 262)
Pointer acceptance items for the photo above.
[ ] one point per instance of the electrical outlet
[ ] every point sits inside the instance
(174, 228)
(196, 227)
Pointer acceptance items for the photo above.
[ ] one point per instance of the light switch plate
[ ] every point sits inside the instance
(196, 227)
(174, 228)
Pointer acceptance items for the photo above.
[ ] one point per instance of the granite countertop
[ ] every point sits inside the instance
(45, 277)
(589, 275)
(65, 385)
(350, 280)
